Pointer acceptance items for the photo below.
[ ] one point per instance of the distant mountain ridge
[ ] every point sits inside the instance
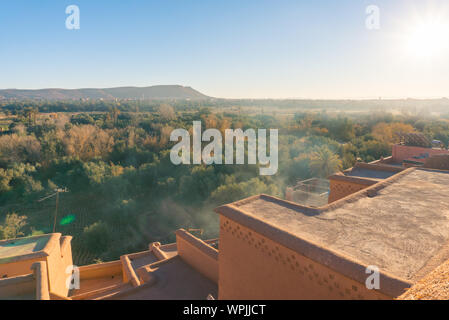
(160, 92)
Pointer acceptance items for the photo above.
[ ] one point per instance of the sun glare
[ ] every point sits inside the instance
(428, 39)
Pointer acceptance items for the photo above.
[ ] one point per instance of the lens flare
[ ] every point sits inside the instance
(428, 39)
(67, 220)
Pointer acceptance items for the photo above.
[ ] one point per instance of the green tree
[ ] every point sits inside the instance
(324, 162)
(12, 227)
(97, 237)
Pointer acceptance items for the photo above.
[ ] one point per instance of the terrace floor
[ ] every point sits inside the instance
(170, 279)
(10, 249)
(403, 229)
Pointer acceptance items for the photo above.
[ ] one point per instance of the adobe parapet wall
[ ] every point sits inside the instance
(197, 253)
(383, 161)
(30, 286)
(402, 152)
(379, 166)
(19, 286)
(260, 260)
(342, 184)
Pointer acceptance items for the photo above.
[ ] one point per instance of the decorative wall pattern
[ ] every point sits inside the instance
(341, 189)
(307, 273)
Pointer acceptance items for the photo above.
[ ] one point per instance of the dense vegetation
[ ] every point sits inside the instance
(123, 191)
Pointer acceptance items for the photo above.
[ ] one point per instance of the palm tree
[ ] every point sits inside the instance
(323, 162)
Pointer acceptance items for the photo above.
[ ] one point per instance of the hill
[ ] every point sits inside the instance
(161, 92)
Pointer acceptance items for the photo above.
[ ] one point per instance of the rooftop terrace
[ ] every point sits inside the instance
(370, 171)
(172, 278)
(12, 250)
(400, 225)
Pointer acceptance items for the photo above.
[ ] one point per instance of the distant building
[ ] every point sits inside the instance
(414, 149)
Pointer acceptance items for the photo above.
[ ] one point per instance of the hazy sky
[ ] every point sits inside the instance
(230, 48)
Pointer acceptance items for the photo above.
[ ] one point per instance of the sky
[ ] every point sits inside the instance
(319, 49)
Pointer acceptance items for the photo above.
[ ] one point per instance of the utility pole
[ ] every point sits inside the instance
(56, 210)
(57, 192)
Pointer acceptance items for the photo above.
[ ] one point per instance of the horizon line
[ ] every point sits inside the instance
(353, 98)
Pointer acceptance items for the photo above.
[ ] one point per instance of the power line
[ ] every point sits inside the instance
(57, 192)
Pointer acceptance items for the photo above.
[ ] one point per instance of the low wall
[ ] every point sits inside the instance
(129, 275)
(14, 269)
(377, 166)
(340, 188)
(32, 286)
(40, 274)
(155, 248)
(18, 287)
(101, 270)
(198, 254)
(383, 160)
(341, 185)
(402, 152)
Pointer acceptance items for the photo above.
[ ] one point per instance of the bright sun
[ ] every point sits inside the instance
(428, 39)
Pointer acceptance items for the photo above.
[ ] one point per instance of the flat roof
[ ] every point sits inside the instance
(170, 279)
(400, 225)
(10, 250)
(142, 259)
